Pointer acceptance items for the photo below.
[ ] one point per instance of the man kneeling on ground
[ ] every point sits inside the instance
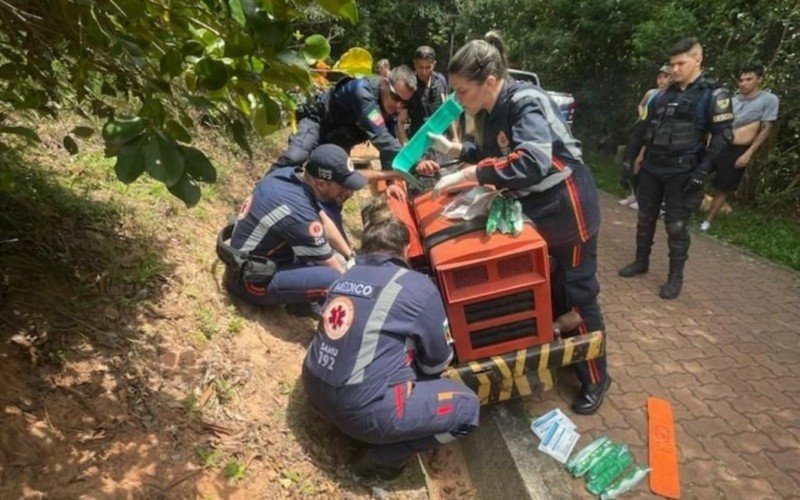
(278, 251)
(373, 368)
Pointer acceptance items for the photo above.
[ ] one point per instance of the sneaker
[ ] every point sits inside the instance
(634, 205)
(627, 201)
(705, 226)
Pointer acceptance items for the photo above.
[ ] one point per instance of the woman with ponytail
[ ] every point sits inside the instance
(524, 146)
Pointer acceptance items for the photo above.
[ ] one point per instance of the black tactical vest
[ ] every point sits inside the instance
(677, 129)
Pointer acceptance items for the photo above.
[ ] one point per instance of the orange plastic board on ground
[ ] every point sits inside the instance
(663, 451)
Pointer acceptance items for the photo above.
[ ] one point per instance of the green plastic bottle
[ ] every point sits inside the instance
(438, 122)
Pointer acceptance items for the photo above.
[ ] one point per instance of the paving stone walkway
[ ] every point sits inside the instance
(726, 354)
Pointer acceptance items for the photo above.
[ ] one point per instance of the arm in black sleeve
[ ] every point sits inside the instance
(371, 121)
(637, 138)
(720, 114)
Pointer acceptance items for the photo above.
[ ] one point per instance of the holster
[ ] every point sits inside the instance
(250, 268)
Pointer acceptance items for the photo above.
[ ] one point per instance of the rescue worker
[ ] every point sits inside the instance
(677, 159)
(527, 149)
(279, 252)
(373, 366)
(353, 111)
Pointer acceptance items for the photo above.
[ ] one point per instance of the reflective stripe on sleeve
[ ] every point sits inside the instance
(372, 329)
(263, 227)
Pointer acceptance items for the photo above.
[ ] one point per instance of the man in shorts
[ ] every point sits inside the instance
(755, 110)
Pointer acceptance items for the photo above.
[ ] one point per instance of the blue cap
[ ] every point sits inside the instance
(330, 162)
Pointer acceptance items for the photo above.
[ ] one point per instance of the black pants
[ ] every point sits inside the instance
(575, 288)
(653, 189)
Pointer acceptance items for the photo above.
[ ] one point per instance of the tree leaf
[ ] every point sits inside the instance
(237, 11)
(266, 115)
(25, 132)
(211, 74)
(238, 44)
(197, 164)
(130, 161)
(162, 159)
(355, 62)
(177, 131)
(193, 48)
(70, 145)
(239, 131)
(83, 132)
(186, 190)
(341, 8)
(153, 110)
(316, 48)
(171, 63)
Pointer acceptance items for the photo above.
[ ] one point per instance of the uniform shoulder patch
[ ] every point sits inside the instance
(315, 229)
(721, 109)
(337, 318)
(375, 117)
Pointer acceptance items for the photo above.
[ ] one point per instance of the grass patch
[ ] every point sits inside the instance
(769, 234)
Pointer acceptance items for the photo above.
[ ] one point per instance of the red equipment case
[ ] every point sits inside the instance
(496, 288)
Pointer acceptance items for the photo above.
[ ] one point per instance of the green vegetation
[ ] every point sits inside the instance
(234, 471)
(153, 71)
(607, 52)
(769, 233)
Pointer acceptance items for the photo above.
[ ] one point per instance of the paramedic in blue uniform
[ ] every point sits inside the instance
(280, 227)
(678, 157)
(528, 149)
(373, 368)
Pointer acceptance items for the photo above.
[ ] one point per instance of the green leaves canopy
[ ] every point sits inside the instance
(227, 63)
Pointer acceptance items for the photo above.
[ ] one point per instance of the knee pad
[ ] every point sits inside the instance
(677, 230)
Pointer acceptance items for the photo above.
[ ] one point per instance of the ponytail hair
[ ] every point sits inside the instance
(477, 60)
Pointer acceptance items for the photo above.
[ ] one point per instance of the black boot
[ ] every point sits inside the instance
(672, 288)
(366, 470)
(591, 397)
(634, 268)
(645, 229)
(679, 241)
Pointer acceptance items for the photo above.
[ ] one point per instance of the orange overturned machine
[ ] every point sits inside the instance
(496, 291)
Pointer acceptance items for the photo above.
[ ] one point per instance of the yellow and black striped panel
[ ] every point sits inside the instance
(513, 374)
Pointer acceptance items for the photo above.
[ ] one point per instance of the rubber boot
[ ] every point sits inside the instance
(679, 241)
(645, 230)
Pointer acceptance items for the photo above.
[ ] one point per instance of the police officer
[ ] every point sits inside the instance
(677, 158)
(278, 251)
(373, 366)
(353, 111)
(527, 148)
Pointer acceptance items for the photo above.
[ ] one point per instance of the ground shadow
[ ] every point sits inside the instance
(332, 452)
(83, 380)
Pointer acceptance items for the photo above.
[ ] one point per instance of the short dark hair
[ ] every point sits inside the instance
(758, 69)
(403, 74)
(425, 52)
(685, 45)
(477, 60)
